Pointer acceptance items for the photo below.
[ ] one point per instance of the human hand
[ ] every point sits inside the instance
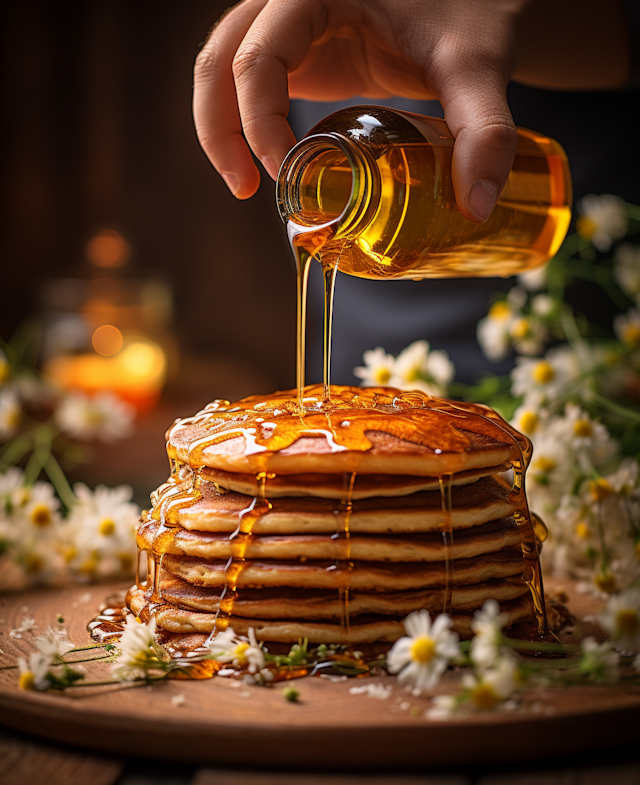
(460, 52)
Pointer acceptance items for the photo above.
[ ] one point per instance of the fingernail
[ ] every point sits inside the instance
(231, 180)
(270, 165)
(482, 197)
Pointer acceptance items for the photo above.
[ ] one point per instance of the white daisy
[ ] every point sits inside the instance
(621, 619)
(585, 435)
(10, 414)
(41, 508)
(494, 687)
(103, 416)
(54, 644)
(546, 375)
(627, 328)
(599, 661)
(423, 655)
(100, 532)
(138, 651)
(240, 652)
(543, 305)
(419, 368)
(625, 478)
(493, 332)
(534, 280)
(487, 627)
(33, 674)
(378, 368)
(603, 220)
(626, 268)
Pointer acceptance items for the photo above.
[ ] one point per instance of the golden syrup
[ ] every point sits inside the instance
(447, 542)
(239, 541)
(373, 186)
(344, 565)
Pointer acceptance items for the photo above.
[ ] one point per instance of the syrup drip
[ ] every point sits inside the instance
(239, 541)
(344, 564)
(447, 543)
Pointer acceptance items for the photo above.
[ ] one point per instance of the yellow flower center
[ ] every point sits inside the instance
(89, 566)
(544, 464)
(69, 553)
(528, 422)
(583, 428)
(543, 372)
(126, 561)
(33, 563)
(500, 311)
(605, 582)
(381, 375)
(627, 621)
(631, 334)
(239, 653)
(423, 649)
(484, 697)
(27, 681)
(107, 527)
(412, 375)
(600, 489)
(41, 515)
(4, 371)
(520, 329)
(582, 530)
(586, 227)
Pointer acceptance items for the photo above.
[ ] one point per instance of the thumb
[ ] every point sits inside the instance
(478, 116)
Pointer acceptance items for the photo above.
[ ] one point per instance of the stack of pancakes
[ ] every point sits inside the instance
(332, 544)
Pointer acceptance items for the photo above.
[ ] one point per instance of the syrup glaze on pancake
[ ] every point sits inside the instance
(355, 430)
(284, 603)
(329, 486)
(358, 433)
(366, 629)
(486, 538)
(471, 505)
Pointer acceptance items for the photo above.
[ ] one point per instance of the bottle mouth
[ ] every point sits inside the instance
(323, 181)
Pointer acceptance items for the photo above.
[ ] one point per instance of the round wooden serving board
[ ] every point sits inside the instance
(227, 723)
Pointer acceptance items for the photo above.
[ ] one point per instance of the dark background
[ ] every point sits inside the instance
(98, 134)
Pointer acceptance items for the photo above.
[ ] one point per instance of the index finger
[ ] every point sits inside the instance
(215, 105)
(276, 44)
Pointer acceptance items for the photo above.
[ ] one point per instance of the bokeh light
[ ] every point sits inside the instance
(108, 249)
(107, 340)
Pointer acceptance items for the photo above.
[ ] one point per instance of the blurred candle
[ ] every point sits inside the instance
(135, 372)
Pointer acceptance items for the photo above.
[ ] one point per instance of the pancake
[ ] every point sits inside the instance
(365, 576)
(429, 547)
(387, 455)
(330, 486)
(368, 629)
(310, 604)
(369, 431)
(471, 505)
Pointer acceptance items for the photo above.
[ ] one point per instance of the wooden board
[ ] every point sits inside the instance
(227, 723)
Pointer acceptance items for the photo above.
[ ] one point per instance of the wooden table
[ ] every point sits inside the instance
(26, 760)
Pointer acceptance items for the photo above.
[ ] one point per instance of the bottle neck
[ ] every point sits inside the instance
(328, 181)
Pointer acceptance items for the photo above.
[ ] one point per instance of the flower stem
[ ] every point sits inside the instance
(59, 481)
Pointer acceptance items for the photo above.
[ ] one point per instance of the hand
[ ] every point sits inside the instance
(460, 52)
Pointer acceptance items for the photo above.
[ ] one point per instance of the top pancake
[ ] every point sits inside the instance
(368, 431)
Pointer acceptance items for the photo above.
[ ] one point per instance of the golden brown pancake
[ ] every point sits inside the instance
(388, 455)
(367, 629)
(365, 576)
(429, 547)
(320, 604)
(330, 486)
(473, 504)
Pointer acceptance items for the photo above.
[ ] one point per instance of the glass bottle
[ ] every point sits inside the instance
(371, 189)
